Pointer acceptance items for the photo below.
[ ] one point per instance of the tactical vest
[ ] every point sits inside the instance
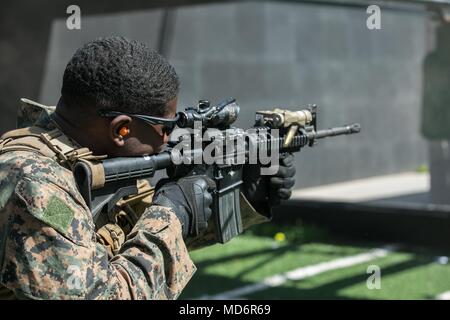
(56, 145)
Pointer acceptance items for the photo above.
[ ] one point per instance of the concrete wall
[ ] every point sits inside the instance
(285, 54)
(25, 27)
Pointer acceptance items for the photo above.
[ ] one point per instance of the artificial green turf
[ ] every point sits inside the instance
(405, 274)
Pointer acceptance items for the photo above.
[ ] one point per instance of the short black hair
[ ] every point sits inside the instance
(119, 74)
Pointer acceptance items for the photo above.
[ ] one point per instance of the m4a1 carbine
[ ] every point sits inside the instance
(207, 144)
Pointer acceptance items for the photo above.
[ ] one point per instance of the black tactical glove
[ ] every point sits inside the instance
(190, 199)
(263, 192)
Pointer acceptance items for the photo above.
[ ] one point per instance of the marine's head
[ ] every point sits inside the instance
(121, 77)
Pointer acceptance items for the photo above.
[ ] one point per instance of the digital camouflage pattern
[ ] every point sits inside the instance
(32, 113)
(48, 247)
(48, 243)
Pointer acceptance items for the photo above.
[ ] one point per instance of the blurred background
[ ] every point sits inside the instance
(379, 198)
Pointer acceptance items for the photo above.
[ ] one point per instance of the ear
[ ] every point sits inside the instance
(114, 127)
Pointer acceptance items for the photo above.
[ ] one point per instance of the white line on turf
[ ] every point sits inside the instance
(443, 296)
(302, 273)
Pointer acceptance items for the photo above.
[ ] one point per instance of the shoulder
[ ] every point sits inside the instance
(47, 192)
(30, 166)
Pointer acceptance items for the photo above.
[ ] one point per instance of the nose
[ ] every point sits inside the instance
(166, 138)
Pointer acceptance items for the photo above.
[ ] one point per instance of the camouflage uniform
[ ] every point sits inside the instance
(50, 248)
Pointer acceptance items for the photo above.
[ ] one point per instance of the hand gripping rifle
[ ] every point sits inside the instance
(295, 130)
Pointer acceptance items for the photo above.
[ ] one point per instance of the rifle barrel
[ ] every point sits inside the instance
(349, 129)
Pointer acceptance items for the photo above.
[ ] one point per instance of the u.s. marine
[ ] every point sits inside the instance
(50, 246)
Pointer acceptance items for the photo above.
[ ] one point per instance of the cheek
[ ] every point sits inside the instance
(146, 140)
(134, 147)
(153, 139)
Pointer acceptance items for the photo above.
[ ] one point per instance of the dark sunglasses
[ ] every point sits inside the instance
(168, 124)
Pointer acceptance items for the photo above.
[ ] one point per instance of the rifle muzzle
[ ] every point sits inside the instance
(337, 131)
